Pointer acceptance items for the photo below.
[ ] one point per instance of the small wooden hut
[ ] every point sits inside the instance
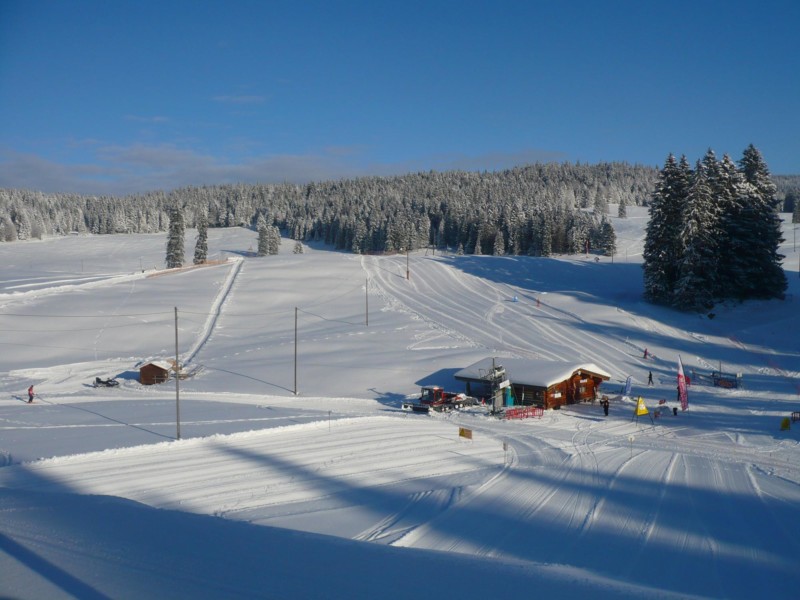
(156, 371)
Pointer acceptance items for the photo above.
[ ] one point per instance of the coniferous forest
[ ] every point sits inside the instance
(713, 233)
(533, 210)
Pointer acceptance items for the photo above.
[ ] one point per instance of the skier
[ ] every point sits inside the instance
(645, 353)
(30, 394)
(605, 406)
(649, 378)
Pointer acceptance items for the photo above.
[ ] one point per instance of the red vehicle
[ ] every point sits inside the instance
(436, 398)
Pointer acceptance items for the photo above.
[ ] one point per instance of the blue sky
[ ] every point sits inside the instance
(116, 97)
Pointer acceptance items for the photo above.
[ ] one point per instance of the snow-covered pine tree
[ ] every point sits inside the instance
(796, 212)
(608, 238)
(727, 189)
(201, 245)
(263, 236)
(8, 231)
(662, 246)
(622, 209)
(600, 203)
(546, 248)
(765, 275)
(697, 268)
(175, 239)
(499, 248)
(477, 246)
(274, 240)
(298, 248)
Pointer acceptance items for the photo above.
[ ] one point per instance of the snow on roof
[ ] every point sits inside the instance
(536, 373)
(163, 364)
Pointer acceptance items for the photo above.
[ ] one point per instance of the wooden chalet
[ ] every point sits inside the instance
(543, 383)
(156, 371)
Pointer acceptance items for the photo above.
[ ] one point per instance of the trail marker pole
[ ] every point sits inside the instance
(177, 381)
(295, 351)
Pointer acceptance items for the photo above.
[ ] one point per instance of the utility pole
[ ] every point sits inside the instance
(408, 272)
(177, 381)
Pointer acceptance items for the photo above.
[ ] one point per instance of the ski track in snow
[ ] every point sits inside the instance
(600, 495)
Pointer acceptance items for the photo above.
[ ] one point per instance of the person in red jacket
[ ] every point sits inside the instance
(30, 394)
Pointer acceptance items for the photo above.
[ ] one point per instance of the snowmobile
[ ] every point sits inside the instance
(110, 382)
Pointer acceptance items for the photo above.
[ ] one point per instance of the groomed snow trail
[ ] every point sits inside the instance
(371, 469)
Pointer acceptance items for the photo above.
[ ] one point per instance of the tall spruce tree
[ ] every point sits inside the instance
(727, 188)
(201, 245)
(662, 246)
(175, 241)
(263, 235)
(796, 212)
(273, 239)
(765, 275)
(695, 286)
(608, 238)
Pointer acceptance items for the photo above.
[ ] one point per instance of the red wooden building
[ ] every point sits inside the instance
(544, 383)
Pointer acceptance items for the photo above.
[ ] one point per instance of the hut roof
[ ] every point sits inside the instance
(161, 364)
(534, 373)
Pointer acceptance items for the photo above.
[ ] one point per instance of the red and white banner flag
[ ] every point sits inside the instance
(683, 394)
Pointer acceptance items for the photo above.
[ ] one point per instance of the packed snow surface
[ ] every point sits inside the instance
(282, 465)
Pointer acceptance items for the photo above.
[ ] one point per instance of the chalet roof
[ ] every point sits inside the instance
(534, 373)
(161, 364)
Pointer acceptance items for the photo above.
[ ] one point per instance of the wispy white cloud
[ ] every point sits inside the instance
(119, 170)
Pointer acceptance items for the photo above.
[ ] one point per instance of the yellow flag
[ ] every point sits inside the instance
(641, 409)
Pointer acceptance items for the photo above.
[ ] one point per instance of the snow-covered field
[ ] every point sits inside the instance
(298, 476)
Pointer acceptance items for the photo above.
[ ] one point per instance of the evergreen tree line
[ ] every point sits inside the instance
(537, 209)
(714, 233)
(789, 194)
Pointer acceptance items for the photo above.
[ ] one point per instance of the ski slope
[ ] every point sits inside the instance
(333, 491)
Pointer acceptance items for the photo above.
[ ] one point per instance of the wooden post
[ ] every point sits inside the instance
(295, 351)
(177, 381)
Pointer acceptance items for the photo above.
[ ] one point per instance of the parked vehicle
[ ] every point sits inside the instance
(436, 398)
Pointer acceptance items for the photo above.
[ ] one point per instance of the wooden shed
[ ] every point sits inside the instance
(156, 371)
(544, 383)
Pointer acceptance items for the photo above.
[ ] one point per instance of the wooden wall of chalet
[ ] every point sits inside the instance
(578, 388)
(150, 374)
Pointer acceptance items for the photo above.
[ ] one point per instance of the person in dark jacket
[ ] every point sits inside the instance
(30, 394)
(605, 406)
(649, 378)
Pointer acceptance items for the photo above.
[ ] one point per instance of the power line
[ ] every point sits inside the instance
(98, 316)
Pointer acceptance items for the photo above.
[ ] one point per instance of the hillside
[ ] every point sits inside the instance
(334, 491)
